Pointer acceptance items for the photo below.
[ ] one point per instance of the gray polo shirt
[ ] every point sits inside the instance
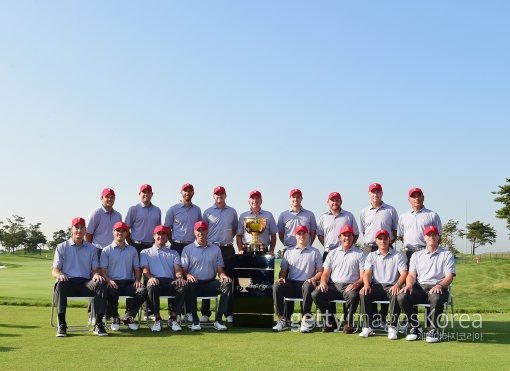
(385, 269)
(412, 224)
(345, 265)
(119, 261)
(181, 219)
(430, 268)
(265, 237)
(329, 226)
(372, 219)
(160, 261)
(222, 224)
(289, 220)
(142, 220)
(76, 261)
(202, 262)
(301, 263)
(100, 225)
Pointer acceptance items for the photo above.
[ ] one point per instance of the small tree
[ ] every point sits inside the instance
(59, 237)
(504, 198)
(34, 239)
(13, 233)
(449, 234)
(479, 234)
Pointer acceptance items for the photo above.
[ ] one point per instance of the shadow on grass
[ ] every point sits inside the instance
(18, 326)
(7, 349)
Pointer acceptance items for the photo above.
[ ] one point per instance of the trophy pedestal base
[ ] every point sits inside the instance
(254, 249)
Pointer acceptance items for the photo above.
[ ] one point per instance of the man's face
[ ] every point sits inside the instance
(219, 198)
(383, 242)
(346, 240)
(255, 202)
(108, 201)
(416, 199)
(295, 200)
(187, 194)
(375, 197)
(146, 196)
(432, 239)
(78, 233)
(335, 204)
(119, 235)
(161, 239)
(201, 236)
(302, 238)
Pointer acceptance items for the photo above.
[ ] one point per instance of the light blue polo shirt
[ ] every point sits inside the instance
(76, 261)
(265, 237)
(412, 224)
(302, 264)
(345, 265)
(202, 262)
(373, 219)
(100, 225)
(289, 220)
(385, 269)
(329, 226)
(222, 224)
(160, 261)
(120, 262)
(142, 220)
(181, 220)
(431, 268)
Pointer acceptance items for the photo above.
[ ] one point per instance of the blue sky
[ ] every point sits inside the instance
(270, 95)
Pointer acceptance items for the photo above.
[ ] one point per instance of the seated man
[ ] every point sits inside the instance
(301, 269)
(201, 262)
(76, 269)
(431, 271)
(383, 277)
(120, 267)
(163, 272)
(341, 279)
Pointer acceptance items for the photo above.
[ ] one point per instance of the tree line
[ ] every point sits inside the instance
(16, 235)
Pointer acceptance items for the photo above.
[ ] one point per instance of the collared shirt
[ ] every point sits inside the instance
(119, 261)
(181, 219)
(430, 268)
(222, 224)
(265, 236)
(412, 224)
(76, 261)
(330, 224)
(202, 262)
(289, 220)
(374, 218)
(385, 269)
(142, 220)
(160, 261)
(302, 264)
(345, 265)
(100, 225)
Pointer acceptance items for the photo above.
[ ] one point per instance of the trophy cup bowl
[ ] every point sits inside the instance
(244, 283)
(254, 226)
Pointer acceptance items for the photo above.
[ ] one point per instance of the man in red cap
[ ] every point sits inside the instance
(77, 273)
(120, 266)
(222, 221)
(341, 280)
(385, 273)
(296, 215)
(431, 272)
(201, 262)
(332, 221)
(301, 269)
(268, 235)
(412, 223)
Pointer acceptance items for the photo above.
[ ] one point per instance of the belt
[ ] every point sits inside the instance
(372, 244)
(223, 244)
(143, 243)
(414, 248)
(182, 242)
(328, 249)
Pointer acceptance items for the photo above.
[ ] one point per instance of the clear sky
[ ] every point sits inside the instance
(269, 95)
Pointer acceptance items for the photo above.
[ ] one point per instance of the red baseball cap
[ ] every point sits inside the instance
(120, 225)
(187, 185)
(145, 187)
(107, 192)
(200, 224)
(334, 195)
(294, 191)
(382, 231)
(346, 229)
(77, 220)
(300, 228)
(219, 189)
(161, 229)
(374, 187)
(430, 229)
(255, 194)
(413, 190)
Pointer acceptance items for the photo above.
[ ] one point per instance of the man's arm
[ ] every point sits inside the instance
(281, 236)
(89, 237)
(239, 243)
(323, 286)
(272, 243)
(321, 239)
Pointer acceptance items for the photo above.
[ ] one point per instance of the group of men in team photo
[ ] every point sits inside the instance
(191, 255)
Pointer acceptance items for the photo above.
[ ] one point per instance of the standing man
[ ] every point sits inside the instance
(101, 221)
(431, 272)
(295, 216)
(412, 223)
(268, 236)
(142, 218)
(180, 219)
(384, 275)
(76, 270)
(201, 261)
(301, 269)
(342, 278)
(222, 221)
(120, 266)
(332, 221)
(163, 272)
(378, 215)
